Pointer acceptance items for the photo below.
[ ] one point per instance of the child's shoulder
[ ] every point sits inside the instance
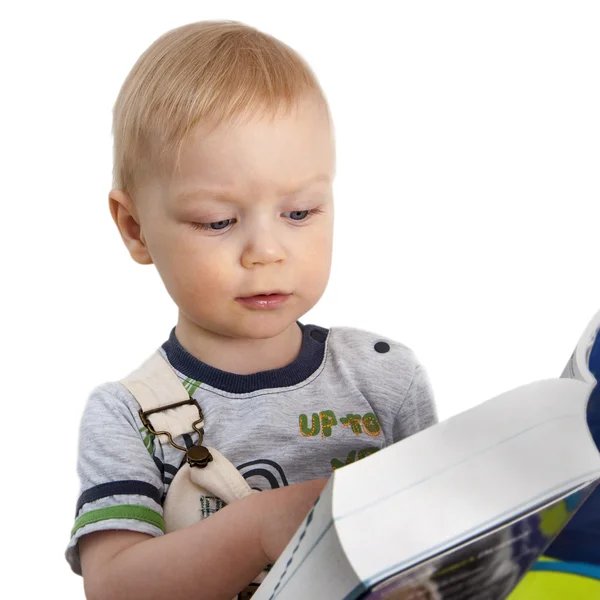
(389, 374)
(111, 401)
(369, 352)
(360, 344)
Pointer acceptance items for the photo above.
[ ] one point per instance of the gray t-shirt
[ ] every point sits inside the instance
(348, 394)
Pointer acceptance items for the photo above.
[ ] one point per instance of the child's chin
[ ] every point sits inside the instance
(263, 326)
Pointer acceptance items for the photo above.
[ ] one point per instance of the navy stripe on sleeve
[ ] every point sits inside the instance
(113, 488)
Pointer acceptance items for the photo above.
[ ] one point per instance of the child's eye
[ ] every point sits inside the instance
(300, 215)
(215, 226)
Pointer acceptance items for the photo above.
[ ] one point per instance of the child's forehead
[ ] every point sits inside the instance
(306, 122)
(282, 150)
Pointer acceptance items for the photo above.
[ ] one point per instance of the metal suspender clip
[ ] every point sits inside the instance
(198, 455)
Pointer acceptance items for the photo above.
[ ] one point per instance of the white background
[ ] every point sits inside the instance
(467, 211)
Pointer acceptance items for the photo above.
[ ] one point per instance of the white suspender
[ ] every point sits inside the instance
(168, 411)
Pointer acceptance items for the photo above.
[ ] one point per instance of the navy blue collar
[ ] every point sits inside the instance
(308, 361)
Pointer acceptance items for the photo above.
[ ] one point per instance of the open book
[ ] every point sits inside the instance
(460, 510)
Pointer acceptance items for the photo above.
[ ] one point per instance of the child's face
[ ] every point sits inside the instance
(250, 211)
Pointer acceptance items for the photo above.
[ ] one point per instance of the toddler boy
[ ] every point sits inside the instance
(224, 160)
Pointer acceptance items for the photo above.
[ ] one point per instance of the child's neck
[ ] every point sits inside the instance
(240, 356)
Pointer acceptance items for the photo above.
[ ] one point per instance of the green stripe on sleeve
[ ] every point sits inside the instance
(125, 511)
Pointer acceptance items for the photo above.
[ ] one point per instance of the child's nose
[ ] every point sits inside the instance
(262, 247)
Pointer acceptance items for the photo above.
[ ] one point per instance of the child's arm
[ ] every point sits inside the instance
(211, 560)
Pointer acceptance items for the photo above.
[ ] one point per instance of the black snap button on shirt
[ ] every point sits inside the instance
(382, 347)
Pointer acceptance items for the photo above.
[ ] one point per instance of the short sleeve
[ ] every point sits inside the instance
(121, 486)
(417, 411)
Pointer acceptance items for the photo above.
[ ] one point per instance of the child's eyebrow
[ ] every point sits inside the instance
(224, 196)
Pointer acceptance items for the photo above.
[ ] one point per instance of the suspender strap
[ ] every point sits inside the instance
(156, 386)
(168, 410)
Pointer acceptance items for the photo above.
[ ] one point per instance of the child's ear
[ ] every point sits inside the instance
(125, 217)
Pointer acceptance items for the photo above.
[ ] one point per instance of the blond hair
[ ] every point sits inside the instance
(210, 72)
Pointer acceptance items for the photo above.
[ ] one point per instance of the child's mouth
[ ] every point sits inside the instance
(264, 301)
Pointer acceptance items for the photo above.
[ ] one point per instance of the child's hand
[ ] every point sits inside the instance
(282, 513)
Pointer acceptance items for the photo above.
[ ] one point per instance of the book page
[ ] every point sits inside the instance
(488, 567)
(458, 479)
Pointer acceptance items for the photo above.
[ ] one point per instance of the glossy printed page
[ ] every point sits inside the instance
(488, 567)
